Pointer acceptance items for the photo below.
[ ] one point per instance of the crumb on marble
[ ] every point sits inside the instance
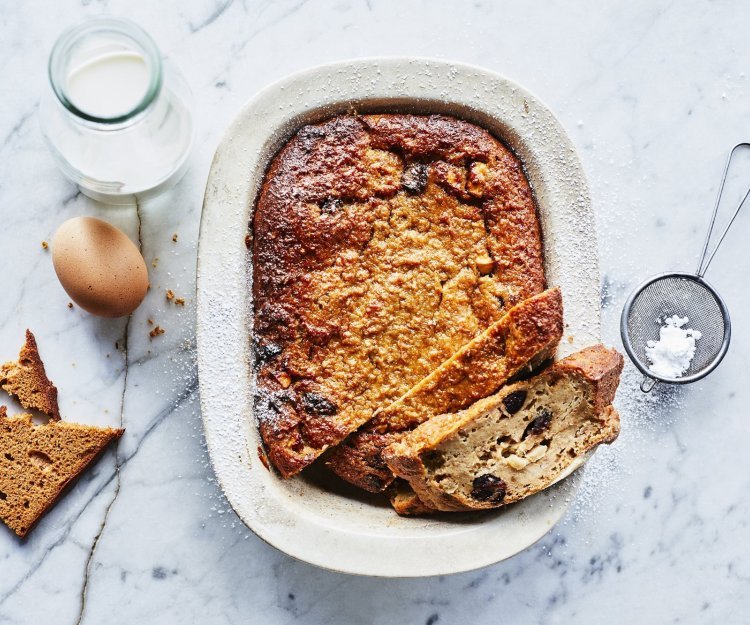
(155, 262)
(70, 304)
(157, 331)
(170, 294)
(45, 245)
(150, 321)
(180, 301)
(174, 238)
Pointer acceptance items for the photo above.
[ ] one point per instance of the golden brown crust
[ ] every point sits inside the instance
(596, 368)
(37, 462)
(529, 332)
(600, 365)
(381, 245)
(27, 380)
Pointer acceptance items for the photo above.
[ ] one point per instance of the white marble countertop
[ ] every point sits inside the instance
(653, 94)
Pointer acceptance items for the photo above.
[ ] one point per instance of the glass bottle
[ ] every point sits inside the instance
(117, 117)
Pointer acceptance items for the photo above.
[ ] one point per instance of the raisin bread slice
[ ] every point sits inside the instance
(524, 337)
(27, 380)
(516, 442)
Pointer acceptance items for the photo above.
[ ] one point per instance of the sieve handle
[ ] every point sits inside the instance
(647, 384)
(706, 261)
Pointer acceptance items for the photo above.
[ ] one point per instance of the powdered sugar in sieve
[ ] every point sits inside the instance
(686, 295)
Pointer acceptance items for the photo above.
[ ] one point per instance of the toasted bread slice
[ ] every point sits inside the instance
(524, 337)
(38, 461)
(516, 442)
(27, 380)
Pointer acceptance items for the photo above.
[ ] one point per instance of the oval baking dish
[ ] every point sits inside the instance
(310, 517)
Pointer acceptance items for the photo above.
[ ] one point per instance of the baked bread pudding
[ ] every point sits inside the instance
(382, 244)
(397, 276)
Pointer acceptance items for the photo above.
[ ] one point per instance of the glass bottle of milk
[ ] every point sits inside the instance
(117, 118)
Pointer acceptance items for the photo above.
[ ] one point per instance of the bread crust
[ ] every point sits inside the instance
(381, 244)
(528, 333)
(596, 368)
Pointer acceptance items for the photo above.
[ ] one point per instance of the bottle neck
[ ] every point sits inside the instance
(106, 72)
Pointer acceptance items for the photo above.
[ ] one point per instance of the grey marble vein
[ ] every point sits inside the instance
(653, 95)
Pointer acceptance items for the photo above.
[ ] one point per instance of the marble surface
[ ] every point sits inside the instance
(653, 95)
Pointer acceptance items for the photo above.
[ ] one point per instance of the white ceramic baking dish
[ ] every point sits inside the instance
(310, 517)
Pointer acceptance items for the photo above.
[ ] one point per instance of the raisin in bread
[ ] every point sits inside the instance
(525, 336)
(381, 244)
(516, 442)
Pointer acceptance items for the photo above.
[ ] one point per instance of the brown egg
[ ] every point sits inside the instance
(99, 267)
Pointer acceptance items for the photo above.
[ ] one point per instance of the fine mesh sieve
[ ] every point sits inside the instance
(686, 295)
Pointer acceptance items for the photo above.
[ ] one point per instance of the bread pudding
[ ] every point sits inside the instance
(381, 245)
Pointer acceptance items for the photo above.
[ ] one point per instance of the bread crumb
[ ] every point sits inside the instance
(150, 321)
(158, 330)
(180, 301)
(155, 262)
(45, 245)
(170, 294)
(70, 304)
(174, 238)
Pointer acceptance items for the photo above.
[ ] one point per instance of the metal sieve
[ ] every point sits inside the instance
(687, 295)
